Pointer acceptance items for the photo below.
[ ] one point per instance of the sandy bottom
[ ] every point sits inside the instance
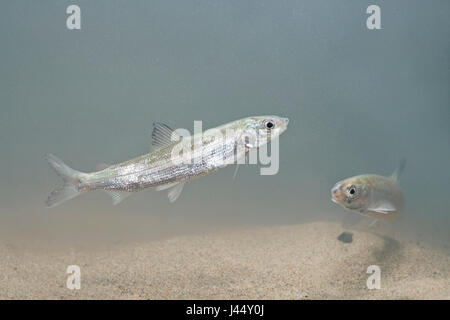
(283, 262)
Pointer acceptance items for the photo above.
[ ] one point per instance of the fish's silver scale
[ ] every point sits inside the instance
(139, 175)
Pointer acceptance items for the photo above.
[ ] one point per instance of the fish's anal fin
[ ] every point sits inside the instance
(163, 136)
(118, 197)
(175, 192)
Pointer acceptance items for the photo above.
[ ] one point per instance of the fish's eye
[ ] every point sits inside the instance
(352, 191)
(270, 124)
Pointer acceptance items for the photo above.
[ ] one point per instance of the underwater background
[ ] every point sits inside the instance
(358, 101)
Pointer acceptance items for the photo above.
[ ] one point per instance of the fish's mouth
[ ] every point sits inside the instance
(335, 192)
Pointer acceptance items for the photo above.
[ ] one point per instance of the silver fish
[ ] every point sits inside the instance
(164, 168)
(371, 195)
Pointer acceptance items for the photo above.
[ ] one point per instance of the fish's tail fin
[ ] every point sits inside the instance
(71, 179)
(397, 173)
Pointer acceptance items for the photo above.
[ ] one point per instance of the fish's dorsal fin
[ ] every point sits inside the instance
(401, 166)
(162, 136)
(382, 207)
(117, 197)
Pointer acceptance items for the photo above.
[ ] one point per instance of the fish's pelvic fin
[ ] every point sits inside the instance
(175, 189)
(162, 136)
(118, 197)
(401, 166)
(166, 186)
(71, 179)
(175, 192)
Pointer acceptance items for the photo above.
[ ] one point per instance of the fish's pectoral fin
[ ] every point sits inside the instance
(163, 135)
(373, 223)
(175, 192)
(382, 207)
(118, 197)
